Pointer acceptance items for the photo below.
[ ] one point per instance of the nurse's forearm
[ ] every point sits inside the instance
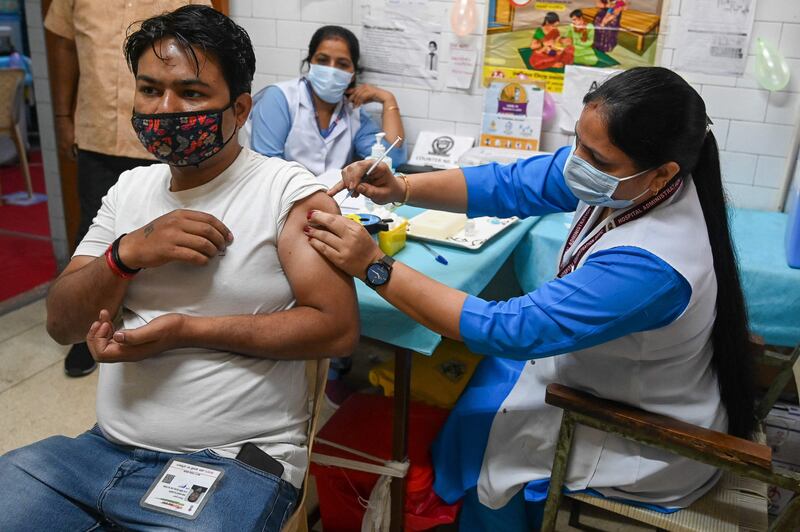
(392, 124)
(445, 190)
(429, 302)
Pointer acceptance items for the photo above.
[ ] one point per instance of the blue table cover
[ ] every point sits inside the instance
(467, 270)
(771, 288)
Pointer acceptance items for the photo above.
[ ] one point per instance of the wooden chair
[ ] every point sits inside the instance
(317, 375)
(739, 499)
(11, 85)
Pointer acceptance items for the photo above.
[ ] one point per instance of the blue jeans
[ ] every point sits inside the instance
(88, 483)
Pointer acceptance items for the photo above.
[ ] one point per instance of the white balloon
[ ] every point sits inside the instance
(772, 72)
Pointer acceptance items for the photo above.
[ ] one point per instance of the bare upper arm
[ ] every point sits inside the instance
(315, 281)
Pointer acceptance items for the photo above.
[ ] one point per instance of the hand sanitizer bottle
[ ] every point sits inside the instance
(378, 149)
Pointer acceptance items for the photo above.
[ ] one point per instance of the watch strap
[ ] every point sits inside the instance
(385, 261)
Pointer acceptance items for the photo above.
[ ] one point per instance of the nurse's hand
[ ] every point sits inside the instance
(369, 93)
(381, 186)
(344, 242)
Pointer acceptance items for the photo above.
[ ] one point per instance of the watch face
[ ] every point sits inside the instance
(377, 274)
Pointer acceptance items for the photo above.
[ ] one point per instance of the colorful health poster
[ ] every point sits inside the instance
(535, 41)
(512, 116)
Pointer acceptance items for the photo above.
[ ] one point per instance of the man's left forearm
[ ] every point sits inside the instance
(298, 333)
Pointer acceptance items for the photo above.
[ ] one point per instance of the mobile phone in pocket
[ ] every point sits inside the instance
(251, 455)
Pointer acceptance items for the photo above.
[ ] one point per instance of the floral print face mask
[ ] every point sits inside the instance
(182, 139)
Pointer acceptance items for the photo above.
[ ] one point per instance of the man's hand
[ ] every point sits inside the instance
(65, 136)
(181, 235)
(107, 345)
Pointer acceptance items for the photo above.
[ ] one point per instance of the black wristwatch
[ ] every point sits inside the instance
(378, 273)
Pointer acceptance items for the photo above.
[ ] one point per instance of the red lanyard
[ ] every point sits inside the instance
(621, 219)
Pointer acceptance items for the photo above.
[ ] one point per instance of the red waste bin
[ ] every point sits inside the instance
(364, 422)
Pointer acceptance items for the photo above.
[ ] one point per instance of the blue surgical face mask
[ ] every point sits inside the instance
(594, 187)
(329, 83)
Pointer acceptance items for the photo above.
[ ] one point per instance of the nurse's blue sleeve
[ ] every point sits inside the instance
(615, 293)
(528, 187)
(365, 138)
(271, 123)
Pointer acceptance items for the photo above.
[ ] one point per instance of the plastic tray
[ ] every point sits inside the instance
(483, 230)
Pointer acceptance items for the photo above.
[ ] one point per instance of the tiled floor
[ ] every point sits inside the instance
(37, 400)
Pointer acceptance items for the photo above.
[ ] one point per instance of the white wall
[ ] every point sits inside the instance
(752, 125)
(280, 31)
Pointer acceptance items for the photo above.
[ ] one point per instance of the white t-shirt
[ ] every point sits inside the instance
(190, 399)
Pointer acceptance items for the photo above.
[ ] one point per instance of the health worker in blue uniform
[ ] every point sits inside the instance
(646, 307)
(318, 120)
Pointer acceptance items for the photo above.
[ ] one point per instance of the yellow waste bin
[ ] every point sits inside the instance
(437, 380)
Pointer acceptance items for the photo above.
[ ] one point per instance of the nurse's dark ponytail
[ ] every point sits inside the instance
(655, 117)
(733, 359)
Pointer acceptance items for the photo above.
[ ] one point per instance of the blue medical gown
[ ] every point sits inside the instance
(616, 292)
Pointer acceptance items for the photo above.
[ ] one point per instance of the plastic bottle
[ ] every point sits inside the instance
(378, 150)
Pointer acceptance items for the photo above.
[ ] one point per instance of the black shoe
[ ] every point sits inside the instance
(79, 361)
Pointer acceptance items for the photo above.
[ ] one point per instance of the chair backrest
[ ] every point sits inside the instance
(786, 367)
(11, 80)
(317, 376)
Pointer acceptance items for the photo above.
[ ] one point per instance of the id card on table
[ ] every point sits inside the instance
(182, 488)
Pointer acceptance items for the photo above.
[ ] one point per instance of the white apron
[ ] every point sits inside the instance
(305, 144)
(666, 371)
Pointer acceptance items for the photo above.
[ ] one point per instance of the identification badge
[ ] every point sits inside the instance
(182, 489)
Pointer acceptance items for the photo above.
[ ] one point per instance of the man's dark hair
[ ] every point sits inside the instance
(206, 29)
(576, 13)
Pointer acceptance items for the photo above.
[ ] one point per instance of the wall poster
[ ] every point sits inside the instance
(535, 41)
(400, 42)
(512, 116)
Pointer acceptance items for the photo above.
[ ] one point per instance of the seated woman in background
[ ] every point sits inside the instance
(318, 119)
(548, 48)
